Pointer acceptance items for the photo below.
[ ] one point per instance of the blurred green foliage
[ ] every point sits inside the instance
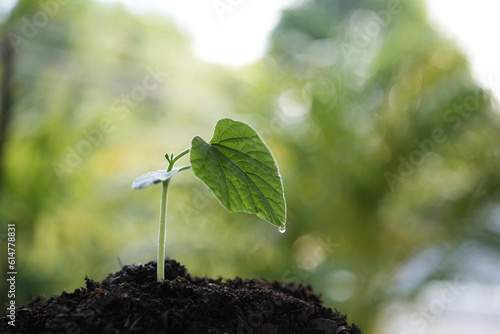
(387, 148)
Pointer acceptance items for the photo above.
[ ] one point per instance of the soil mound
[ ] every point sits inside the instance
(131, 301)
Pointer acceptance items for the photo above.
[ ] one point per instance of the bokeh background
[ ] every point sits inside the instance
(389, 150)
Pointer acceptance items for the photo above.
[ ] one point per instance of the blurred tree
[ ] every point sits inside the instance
(5, 96)
(391, 147)
(66, 86)
(9, 55)
(7, 52)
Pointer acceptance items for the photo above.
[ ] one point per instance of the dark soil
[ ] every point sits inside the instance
(131, 301)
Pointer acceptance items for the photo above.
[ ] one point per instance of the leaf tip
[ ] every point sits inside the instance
(136, 185)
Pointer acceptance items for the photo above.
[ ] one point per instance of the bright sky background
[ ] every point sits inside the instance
(236, 32)
(474, 25)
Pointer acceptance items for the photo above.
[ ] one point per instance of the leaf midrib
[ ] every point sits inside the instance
(246, 177)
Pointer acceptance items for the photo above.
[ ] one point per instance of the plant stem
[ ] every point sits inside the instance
(160, 263)
(162, 229)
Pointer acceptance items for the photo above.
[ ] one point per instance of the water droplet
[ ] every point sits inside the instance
(282, 229)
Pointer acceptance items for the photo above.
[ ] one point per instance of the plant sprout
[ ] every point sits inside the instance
(238, 168)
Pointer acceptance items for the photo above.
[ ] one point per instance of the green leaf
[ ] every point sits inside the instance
(154, 177)
(241, 171)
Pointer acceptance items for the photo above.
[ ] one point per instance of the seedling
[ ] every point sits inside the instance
(239, 169)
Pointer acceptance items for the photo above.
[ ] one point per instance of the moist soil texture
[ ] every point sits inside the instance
(132, 301)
